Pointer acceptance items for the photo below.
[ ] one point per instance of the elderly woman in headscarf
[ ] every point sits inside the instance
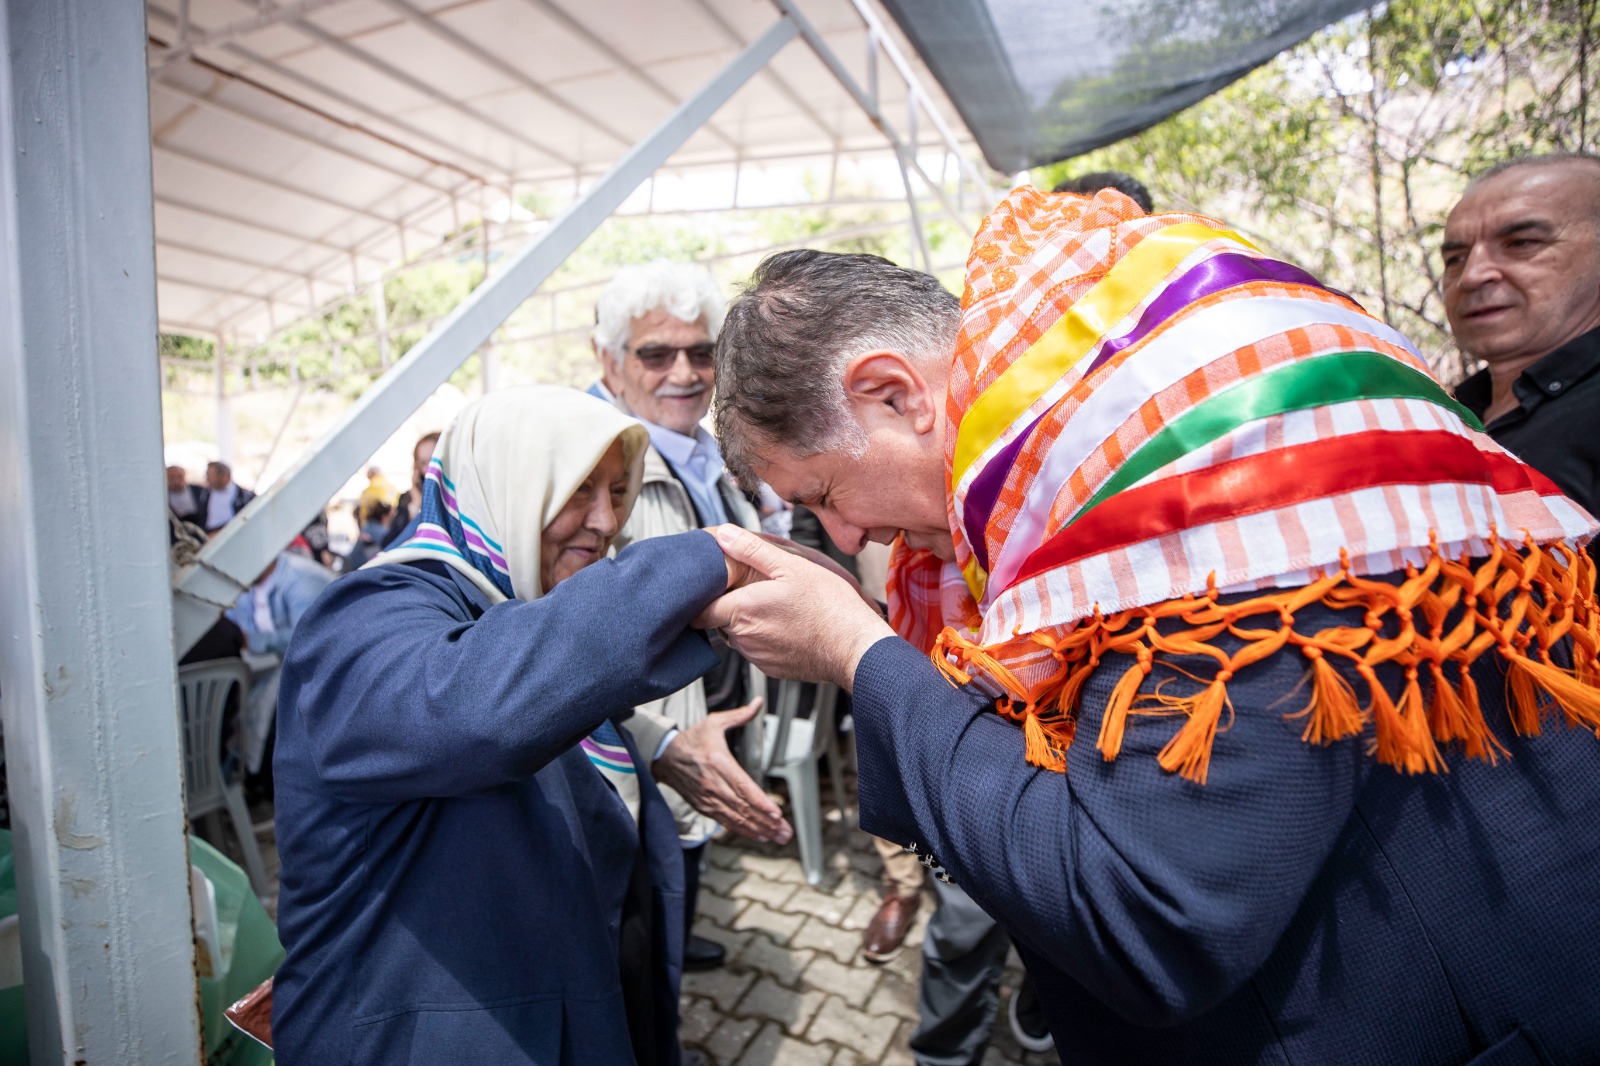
(475, 869)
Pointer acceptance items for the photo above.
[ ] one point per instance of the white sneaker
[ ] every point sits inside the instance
(1028, 1026)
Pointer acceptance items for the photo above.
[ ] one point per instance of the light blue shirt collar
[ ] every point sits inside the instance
(698, 462)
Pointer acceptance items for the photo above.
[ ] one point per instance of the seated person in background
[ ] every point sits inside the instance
(410, 502)
(477, 864)
(267, 614)
(369, 541)
(186, 501)
(224, 496)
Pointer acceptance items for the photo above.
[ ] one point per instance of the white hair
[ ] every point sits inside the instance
(684, 291)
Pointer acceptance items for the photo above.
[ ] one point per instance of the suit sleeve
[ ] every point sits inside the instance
(402, 697)
(1158, 895)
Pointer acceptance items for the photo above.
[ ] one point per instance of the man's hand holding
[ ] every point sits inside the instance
(699, 767)
(788, 615)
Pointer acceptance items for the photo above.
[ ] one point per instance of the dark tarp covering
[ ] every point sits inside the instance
(1043, 80)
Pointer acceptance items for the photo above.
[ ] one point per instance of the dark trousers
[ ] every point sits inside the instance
(692, 858)
(963, 957)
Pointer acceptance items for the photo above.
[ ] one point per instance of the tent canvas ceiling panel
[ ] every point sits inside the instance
(523, 34)
(326, 139)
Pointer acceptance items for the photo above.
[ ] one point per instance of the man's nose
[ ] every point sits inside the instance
(682, 372)
(850, 539)
(1481, 268)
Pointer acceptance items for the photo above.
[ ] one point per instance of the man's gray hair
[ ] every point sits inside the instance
(1546, 159)
(687, 292)
(789, 336)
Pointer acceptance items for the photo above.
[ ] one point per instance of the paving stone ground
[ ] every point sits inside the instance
(795, 990)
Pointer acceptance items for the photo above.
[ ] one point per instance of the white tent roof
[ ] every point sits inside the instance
(304, 147)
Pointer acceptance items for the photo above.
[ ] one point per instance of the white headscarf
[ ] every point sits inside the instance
(503, 471)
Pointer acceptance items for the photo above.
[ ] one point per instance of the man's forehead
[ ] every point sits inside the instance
(663, 324)
(797, 480)
(1553, 194)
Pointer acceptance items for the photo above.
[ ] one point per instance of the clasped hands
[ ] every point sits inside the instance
(792, 611)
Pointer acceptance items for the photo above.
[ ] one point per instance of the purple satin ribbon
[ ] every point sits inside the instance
(1226, 271)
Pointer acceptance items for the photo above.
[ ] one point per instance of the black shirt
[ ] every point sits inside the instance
(1556, 427)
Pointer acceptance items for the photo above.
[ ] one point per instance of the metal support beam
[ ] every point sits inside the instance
(92, 739)
(234, 558)
(271, 15)
(868, 102)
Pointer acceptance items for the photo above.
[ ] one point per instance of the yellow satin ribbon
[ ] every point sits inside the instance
(1073, 336)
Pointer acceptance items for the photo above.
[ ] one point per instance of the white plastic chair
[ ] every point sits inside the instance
(793, 747)
(202, 694)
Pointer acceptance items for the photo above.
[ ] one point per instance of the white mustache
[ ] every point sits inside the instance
(666, 391)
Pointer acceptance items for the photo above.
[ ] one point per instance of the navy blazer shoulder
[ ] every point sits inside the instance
(453, 867)
(1305, 905)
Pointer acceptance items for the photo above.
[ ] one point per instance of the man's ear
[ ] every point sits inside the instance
(608, 369)
(883, 382)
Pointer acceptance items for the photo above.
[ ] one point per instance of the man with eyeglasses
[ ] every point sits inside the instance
(654, 336)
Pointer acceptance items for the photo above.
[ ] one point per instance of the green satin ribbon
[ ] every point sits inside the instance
(1297, 386)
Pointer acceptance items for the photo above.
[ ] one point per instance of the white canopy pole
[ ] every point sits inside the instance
(87, 691)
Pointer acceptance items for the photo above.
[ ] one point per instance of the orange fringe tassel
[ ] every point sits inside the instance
(1518, 603)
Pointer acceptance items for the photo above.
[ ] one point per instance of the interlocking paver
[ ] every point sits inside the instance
(730, 1038)
(842, 944)
(784, 867)
(783, 964)
(854, 984)
(776, 924)
(827, 906)
(899, 1053)
(769, 1001)
(720, 878)
(723, 987)
(869, 1036)
(696, 1018)
(795, 991)
(894, 995)
(732, 940)
(719, 909)
(772, 1048)
(859, 916)
(761, 889)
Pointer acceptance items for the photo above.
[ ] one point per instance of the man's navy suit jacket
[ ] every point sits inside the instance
(1306, 905)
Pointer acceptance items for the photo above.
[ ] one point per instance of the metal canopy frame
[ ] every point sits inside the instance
(86, 672)
(230, 562)
(89, 706)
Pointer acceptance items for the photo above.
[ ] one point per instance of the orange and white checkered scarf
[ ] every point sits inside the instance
(1147, 412)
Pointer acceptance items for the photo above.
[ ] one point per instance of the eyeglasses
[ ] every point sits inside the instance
(661, 356)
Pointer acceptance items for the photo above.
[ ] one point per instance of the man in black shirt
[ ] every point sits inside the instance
(1522, 289)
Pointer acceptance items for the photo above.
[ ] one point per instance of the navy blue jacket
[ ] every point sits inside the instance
(454, 868)
(1306, 905)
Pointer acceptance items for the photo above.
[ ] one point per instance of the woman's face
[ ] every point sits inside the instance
(582, 532)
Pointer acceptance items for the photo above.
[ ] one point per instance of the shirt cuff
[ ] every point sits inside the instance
(661, 748)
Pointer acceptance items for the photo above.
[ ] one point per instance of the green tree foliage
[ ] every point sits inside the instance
(1346, 153)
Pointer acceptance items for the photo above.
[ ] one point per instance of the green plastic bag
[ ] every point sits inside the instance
(247, 943)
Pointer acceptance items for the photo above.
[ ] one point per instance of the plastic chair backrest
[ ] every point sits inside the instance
(824, 701)
(202, 695)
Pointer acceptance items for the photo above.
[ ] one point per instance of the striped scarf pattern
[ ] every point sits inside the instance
(446, 531)
(1147, 413)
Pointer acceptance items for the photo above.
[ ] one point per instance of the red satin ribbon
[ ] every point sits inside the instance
(1280, 478)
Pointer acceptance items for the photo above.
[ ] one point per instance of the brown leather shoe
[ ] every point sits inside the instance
(888, 928)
